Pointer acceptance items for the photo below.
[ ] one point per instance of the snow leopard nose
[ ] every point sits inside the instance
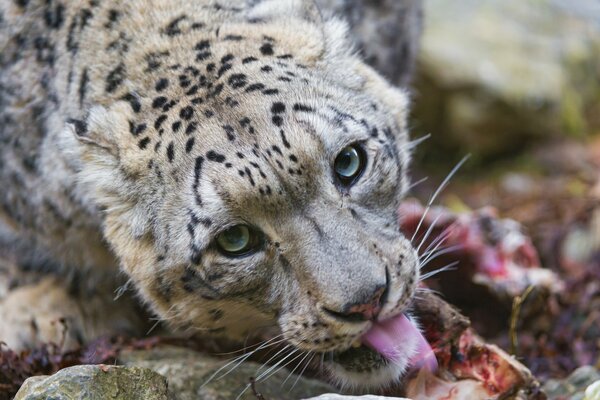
(365, 310)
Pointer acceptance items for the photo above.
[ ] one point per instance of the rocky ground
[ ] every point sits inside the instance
(514, 83)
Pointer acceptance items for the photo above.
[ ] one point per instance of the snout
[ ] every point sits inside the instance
(365, 307)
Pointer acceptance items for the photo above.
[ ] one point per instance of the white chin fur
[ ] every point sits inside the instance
(378, 379)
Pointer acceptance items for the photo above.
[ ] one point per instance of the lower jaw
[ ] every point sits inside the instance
(360, 359)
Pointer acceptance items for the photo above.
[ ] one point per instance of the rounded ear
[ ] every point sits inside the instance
(103, 127)
(269, 9)
(396, 99)
(107, 133)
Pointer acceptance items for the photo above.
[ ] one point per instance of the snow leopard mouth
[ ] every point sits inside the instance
(388, 349)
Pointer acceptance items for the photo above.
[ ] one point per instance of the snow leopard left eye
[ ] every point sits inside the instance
(239, 240)
(349, 164)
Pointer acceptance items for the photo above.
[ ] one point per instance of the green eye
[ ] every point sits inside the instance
(349, 164)
(238, 240)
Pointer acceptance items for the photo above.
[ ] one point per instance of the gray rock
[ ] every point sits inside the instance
(96, 382)
(187, 373)
(497, 74)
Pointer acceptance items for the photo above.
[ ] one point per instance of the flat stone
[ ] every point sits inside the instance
(96, 382)
(189, 376)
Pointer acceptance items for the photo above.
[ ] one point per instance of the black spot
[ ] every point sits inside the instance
(230, 132)
(218, 89)
(143, 143)
(192, 91)
(285, 56)
(210, 67)
(203, 56)
(189, 145)
(186, 113)
(171, 152)
(270, 92)
(197, 173)
(184, 81)
(231, 102)
(161, 84)
(202, 45)
(284, 139)
(139, 129)
(237, 81)
(173, 28)
(54, 17)
(133, 101)
(278, 108)
(277, 120)
(248, 60)
(113, 16)
(277, 150)
(216, 157)
(224, 68)
(86, 15)
(266, 68)
(176, 126)
(159, 121)
(284, 79)
(191, 128)
(197, 100)
(115, 78)
(169, 105)
(72, 44)
(293, 158)
(303, 108)
(267, 49)
(234, 38)
(159, 102)
(83, 82)
(226, 58)
(254, 87)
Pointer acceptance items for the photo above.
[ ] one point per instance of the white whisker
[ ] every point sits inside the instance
(415, 184)
(266, 363)
(438, 191)
(238, 360)
(441, 252)
(437, 271)
(416, 142)
(304, 369)
(428, 232)
(295, 368)
(274, 367)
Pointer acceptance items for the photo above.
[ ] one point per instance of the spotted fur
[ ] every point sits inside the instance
(133, 132)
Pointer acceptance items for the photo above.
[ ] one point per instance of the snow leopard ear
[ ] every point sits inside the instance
(110, 133)
(268, 9)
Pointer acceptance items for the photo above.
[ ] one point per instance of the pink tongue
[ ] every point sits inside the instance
(398, 338)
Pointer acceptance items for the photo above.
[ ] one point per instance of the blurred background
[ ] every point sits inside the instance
(516, 84)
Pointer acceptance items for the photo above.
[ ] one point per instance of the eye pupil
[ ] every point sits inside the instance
(349, 164)
(235, 240)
